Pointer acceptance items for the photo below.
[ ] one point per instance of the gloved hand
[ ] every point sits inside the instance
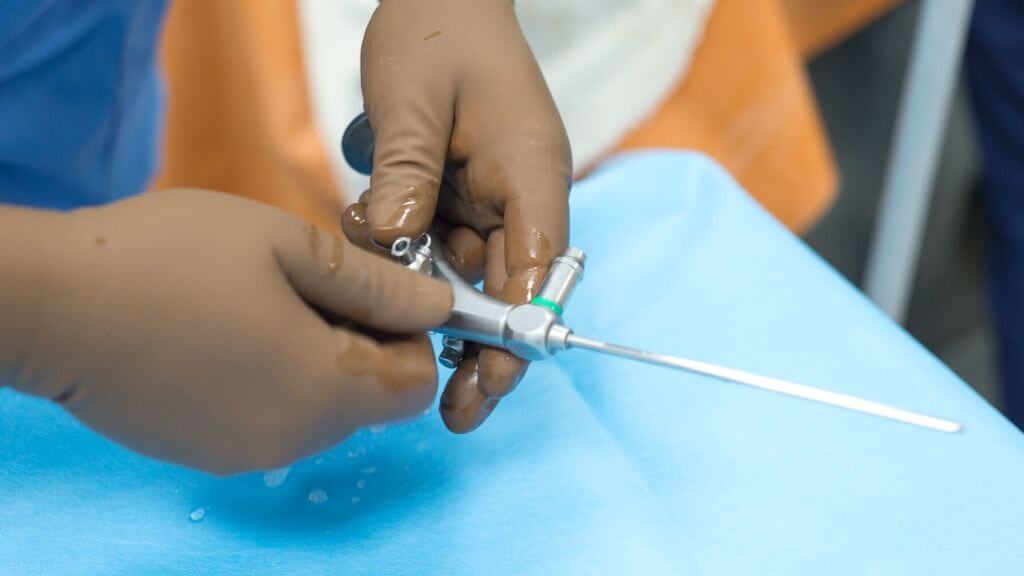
(467, 136)
(189, 325)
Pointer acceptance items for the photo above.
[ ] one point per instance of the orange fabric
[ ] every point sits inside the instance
(240, 120)
(817, 25)
(747, 103)
(239, 117)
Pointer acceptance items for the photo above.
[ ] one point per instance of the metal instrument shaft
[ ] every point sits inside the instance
(535, 331)
(765, 383)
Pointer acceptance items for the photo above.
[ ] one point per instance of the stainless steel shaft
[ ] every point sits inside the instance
(765, 383)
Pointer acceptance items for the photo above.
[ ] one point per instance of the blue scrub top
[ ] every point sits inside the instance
(80, 100)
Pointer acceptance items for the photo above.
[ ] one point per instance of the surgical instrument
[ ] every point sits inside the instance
(535, 331)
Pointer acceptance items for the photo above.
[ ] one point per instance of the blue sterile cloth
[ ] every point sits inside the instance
(595, 465)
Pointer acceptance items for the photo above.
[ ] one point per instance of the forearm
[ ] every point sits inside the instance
(25, 259)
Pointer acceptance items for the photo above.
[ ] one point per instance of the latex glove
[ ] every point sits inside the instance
(189, 325)
(468, 136)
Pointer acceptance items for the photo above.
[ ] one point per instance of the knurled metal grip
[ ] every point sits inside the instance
(532, 331)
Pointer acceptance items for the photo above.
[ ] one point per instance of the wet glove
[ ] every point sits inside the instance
(468, 139)
(210, 330)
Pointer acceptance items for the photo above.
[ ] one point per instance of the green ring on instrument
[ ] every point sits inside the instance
(549, 304)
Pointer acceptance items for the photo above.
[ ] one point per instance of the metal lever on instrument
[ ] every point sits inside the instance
(533, 331)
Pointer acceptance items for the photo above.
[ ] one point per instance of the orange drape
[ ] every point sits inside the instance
(240, 120)
(239, 117)
(746, 101)
(817, 25)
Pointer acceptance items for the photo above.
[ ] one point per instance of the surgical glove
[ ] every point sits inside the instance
(468, 139)
(210, 330)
